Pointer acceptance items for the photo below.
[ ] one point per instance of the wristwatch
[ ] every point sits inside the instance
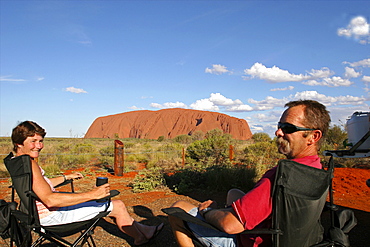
(204, 211)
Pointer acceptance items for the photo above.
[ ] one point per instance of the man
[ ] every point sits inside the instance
(299, 136)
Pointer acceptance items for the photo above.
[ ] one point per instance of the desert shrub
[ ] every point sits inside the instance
(52, 170)
(147, 180)
(63, 148)
(198, 135)
(106, 155)
(336, 137)
(261, 137)
(219, 178)
(139, 158)
(212, 151)
(184, 139)
(83, 148)
(129, 145)
(262, 156)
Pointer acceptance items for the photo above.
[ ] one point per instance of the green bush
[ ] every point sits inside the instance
(184, 139)
(262, 156)
(213, 179)
(147, 180)
(211, 151)
(261, 137)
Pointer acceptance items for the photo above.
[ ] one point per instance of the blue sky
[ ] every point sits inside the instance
(65, 63)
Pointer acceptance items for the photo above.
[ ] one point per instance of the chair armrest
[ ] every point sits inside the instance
(66, 182)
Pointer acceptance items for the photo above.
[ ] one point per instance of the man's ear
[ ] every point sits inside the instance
(314, 137)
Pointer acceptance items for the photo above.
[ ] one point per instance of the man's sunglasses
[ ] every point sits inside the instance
(288, 128)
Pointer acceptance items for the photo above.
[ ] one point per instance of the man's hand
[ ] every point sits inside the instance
(207, 204)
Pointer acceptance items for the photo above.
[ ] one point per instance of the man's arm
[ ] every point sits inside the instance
(225, 220)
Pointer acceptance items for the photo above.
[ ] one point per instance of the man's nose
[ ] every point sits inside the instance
(279, 132)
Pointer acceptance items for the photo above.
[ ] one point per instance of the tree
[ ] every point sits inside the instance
(184, 139)
(261, 137)
(212, 150)
(336, 136)
(197, 135)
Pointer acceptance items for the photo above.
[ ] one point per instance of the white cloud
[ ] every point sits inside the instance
(7, 78)
(268, 103)
(366, 78)
(204, 104)
(239, 108)
(168, 105)
(362, 63)
(217, 69)
(282, 89)
(221, 100)
(329, 100)
(156, 105)
(319, 73)
(40, 78)
(75, 90)
(334, 81)
(273, 75)
(312, 78)
(358, 28)
(351, 73)
(134, 107)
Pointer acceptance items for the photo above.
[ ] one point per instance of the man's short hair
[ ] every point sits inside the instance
(316, 115)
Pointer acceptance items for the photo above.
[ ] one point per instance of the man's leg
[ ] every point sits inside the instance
(182, 234)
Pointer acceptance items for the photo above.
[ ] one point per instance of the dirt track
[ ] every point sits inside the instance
(350, 191)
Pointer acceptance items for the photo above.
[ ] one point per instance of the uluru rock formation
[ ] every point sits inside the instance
(169, 123)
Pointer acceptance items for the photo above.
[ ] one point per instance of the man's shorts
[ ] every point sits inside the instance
(75, 213)
(210, 237)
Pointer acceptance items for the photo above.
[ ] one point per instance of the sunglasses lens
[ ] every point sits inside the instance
(287, 128)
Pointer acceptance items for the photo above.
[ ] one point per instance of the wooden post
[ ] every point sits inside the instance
(183, 157)
(231, 152)
(118, 158)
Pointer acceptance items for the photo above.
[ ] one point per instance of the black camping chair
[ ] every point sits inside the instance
(299, 196)
(25, 220)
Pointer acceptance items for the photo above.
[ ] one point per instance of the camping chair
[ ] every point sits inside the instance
(299, 196)
(25, 220)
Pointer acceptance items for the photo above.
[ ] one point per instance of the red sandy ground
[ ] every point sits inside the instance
(349, 186)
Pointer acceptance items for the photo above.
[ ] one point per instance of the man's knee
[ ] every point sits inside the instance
(183, 205)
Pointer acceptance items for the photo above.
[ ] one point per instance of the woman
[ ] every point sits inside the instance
(62, 208)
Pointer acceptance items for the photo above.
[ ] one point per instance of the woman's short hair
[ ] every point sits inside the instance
(23, 130)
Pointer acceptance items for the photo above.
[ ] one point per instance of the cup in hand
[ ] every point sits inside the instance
(101, 181)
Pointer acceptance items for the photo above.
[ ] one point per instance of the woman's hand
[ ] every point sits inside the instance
(74, 176)
(101, 191)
